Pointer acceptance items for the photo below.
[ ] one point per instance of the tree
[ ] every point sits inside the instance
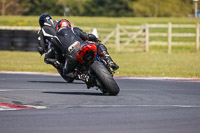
(10, 7)
(164, 8)
(37, 7)
(75, 6)
(115, 8)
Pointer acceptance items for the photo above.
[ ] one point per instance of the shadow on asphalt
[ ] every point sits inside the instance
(76, 93)
(55, 82)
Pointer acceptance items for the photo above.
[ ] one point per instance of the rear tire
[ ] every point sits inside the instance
(105, 78)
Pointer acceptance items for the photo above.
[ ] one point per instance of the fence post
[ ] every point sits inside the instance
(197, 38)
(117, 38)
(147, 38)
(169, 38)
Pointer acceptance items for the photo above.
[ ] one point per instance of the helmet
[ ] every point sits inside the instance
(45, 18)
(63, 23)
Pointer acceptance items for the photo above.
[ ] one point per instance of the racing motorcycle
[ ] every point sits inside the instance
(91, 69)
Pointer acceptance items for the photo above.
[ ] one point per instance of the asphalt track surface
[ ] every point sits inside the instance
(142, 106)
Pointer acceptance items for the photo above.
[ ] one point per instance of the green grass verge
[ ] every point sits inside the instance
(183, 62)
(23, 61)
(95, 21)
(154, 64)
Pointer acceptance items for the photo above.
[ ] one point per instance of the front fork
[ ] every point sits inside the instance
(86, 77)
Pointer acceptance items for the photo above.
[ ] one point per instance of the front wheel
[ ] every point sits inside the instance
(105, 78)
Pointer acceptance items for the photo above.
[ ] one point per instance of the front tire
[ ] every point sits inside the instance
(105, 78)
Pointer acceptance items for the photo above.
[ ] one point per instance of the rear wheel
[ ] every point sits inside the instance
(105, 78)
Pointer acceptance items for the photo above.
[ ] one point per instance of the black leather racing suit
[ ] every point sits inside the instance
(61, 41)
(48, 44)
(67, 37)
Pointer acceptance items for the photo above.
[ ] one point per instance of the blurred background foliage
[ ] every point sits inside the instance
(108, 8)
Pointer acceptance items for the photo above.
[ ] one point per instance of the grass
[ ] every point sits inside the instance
(154, 64)
(183, 62)
(159, 64)
(23, 61)
(111, 22)
(94, 21)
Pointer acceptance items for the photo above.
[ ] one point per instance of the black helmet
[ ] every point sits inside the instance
(45, 18)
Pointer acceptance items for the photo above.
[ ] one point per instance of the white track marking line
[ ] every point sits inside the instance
(3, 109)
(162, 78)
(3, 90)
(6, 106)
(32, 73)
(36, 107)
(116, 77)
(55, 90)
(117, 106)
(85, 90)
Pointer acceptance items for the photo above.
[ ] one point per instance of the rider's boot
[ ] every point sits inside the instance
(41, 50)
(65, 68)
(109, 60)
(102, 51)
(69, 66)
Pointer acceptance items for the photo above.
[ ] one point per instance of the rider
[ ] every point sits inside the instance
(64, 32)
(47, 42)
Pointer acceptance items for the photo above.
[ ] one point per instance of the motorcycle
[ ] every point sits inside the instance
(91, 69)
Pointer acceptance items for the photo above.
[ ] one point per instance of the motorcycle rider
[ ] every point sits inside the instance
(63, 36)
(47, 42)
